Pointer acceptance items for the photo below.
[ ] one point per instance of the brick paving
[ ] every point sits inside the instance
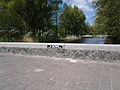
(45, 73)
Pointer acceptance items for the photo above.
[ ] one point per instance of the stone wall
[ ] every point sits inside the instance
(75, 51)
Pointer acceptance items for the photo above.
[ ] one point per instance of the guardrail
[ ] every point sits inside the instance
(99, 52)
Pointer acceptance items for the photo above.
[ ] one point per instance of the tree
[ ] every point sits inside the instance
(98, 26)
(108, 17)
(73, 20)
(57, 8)
(37, 14)
(32, 16)
(9, 20)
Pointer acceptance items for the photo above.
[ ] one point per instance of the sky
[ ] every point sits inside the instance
(86, 6)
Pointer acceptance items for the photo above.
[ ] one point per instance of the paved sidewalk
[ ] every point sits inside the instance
(45, 73)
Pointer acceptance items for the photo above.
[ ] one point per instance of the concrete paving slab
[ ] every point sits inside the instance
(45, 73)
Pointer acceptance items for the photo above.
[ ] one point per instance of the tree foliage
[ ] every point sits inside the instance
(34, 16)
(42, 19)
(57, 8)
(73, 20)
(10, 20)
(108, 17)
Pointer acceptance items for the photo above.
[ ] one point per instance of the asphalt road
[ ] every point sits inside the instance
(45, 73)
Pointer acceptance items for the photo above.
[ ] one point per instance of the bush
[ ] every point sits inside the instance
(48, 39)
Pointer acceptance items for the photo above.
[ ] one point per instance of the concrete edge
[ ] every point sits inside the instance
(101, 47)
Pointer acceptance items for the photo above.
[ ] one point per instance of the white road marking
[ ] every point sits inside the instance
(38, 70)
(51, 78)
(73, 61)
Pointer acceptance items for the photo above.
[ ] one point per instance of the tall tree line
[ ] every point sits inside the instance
(73, 21)
(40, 18)
(108, 18)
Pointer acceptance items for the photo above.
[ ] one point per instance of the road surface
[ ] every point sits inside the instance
(45, 73)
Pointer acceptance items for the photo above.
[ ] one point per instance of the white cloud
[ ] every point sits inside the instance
(87, 16)
(86, 6)
(83, 4)
(90, 1)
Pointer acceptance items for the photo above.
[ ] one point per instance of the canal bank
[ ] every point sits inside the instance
(89, 39)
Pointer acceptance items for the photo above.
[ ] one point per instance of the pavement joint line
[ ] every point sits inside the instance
(88, 84)
(90, 80)
(111, 81)
(67, 81)
(99, 87)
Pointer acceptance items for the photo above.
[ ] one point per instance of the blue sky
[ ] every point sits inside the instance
(86, 6)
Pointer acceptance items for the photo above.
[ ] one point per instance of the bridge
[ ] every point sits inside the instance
(101, 52)
(59, 66)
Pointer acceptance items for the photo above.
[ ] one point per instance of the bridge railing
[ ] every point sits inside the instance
(101, 52)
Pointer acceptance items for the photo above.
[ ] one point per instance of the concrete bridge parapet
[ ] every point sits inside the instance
(97, 52)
